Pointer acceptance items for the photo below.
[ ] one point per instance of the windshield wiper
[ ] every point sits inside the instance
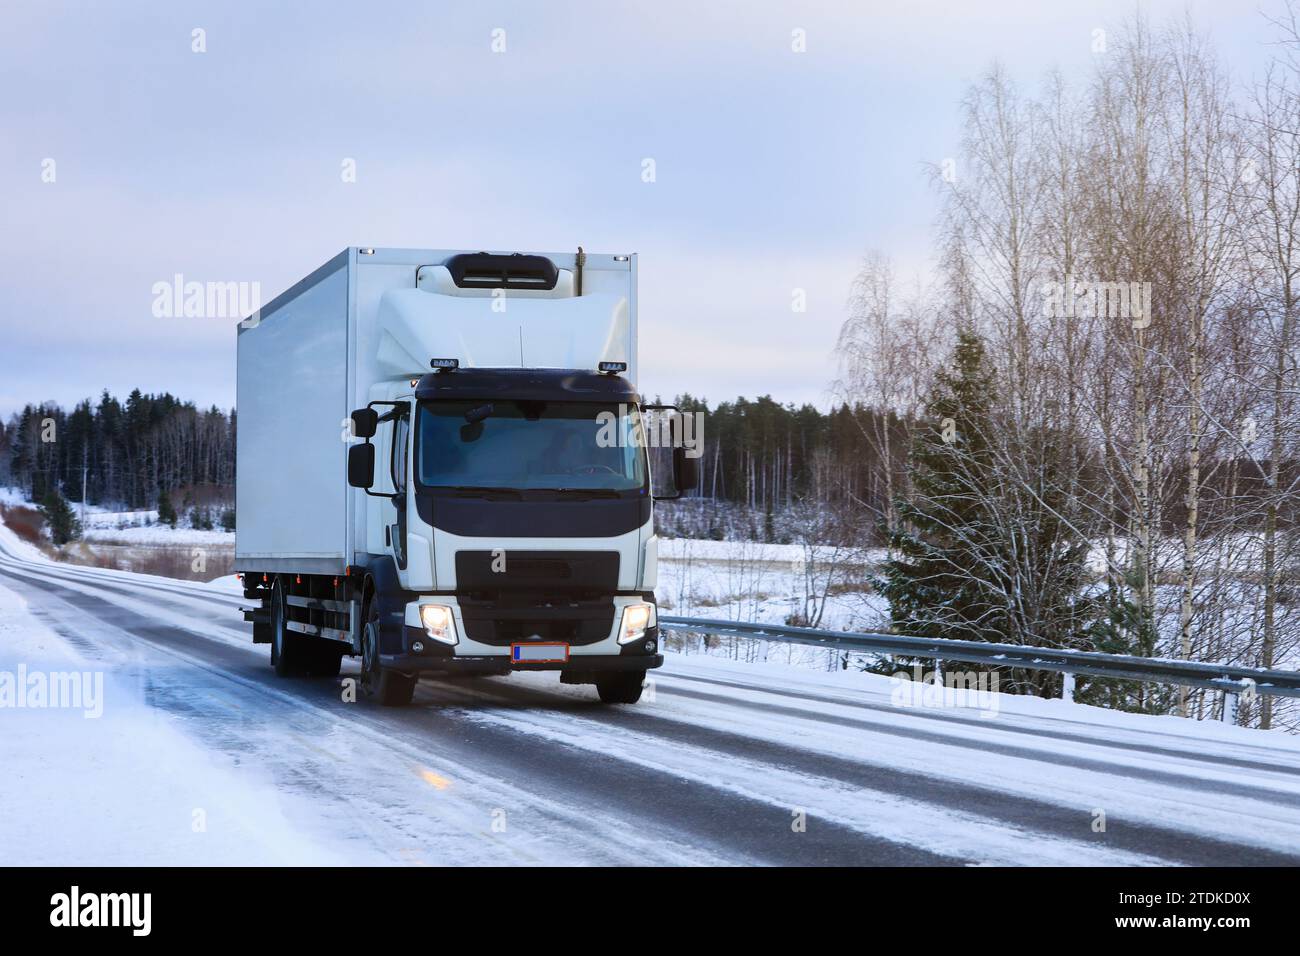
(485, 491)
(532, 494)
(588, 493)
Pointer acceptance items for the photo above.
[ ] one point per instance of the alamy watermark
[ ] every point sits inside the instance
(1091, 298)
(947, 689)
(75, 908)
(683, 430)
(53, 690)
(180, 298)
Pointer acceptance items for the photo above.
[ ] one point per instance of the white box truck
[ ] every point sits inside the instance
(442, 467)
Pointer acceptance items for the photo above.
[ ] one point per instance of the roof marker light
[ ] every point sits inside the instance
(444, 364)
(612, 367)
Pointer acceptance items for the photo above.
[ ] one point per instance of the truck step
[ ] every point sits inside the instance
(256, 615)
(322, 604)
(312, 629)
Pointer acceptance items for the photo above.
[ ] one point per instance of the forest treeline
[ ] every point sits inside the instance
(126, 453)
(758, 453)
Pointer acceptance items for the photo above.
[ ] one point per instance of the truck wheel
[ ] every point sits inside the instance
(620, 688)
(391, 688)
(395, 689)
(286, 646)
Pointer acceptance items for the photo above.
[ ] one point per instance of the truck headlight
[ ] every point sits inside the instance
(636, 619)
(438, 622)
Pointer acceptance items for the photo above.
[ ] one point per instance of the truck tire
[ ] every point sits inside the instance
(395, 689)
(287, 650)
(389, 687)
(622, 688)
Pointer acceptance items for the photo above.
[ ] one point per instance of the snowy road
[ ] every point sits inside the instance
(725, 763)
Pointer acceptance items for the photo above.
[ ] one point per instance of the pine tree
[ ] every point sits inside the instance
(940, 584)
(63, 524)
(200, 519)
(166, 510)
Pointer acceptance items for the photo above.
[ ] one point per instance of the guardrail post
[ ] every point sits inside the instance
(1067, 687)
(1229, 705)
(938, 672)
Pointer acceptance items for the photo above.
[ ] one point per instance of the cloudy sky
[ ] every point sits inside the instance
(775, 170)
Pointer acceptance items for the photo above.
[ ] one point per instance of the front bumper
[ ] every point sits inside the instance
(502, 664)
(468, 656)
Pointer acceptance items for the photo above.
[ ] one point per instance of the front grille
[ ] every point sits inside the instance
(510, 621)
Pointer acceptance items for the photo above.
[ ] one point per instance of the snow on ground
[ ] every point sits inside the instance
(775, 673)
(230, 583)
(158, 536)
(126, 786)
(142, 528)
(18, 547)
(705, 549)
(785, 584)
(13, 497)
(768, 583)
(99, 517)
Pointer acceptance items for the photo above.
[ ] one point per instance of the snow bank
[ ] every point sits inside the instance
(12, 496)
(16, 546)
(229, 584)
(126, 787)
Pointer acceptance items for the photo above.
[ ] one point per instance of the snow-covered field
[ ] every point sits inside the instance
(768, 583)
(142, 528)
(139, 527)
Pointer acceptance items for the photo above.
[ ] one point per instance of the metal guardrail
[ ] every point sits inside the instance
(1230, 679)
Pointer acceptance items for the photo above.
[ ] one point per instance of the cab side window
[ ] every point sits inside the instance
(401, 440)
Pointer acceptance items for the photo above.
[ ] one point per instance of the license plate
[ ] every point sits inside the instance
(540, 653)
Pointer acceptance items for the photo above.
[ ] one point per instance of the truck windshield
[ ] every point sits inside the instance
(481, 446)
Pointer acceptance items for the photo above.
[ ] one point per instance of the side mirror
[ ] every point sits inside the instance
(365, 422)
(361, 464)
(686, 471)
